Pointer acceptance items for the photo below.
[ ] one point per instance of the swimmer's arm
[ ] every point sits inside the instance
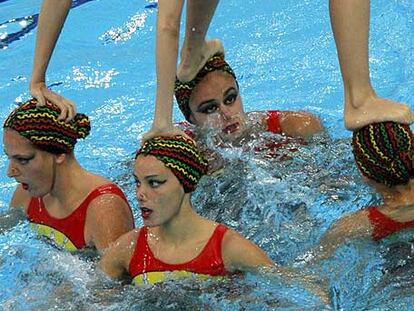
(108, 217)
(292, 123)
(240, 254)
(115, 260)
(51, 19)
(299, 123)
(352, 226)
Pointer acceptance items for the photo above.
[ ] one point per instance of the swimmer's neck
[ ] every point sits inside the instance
(181, 228)
(398, 195)
(69, 185)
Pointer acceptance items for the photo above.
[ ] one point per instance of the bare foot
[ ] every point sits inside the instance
(193, 60)
(374, 110)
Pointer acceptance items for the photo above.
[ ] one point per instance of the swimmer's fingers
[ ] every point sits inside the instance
(66, 106)
(167, 131)
(43, 94)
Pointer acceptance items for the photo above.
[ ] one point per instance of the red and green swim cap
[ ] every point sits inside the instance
(384, 152)
(183, 90)
(41, 126)
(179, 154)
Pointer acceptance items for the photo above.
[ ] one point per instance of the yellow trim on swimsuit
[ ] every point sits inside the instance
(161, 276)
(56, 236)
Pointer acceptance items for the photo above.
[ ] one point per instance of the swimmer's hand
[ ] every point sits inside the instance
(170, 130)
(374, 109)
(40, 91)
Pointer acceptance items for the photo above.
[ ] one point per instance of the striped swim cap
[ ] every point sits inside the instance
(180, 155)
(41, 126)
(384, 152)
(183, 90)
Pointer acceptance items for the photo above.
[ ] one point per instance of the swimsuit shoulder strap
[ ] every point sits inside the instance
(104, 189)
(140, 252)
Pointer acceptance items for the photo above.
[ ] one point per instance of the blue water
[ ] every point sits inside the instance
(284, 55)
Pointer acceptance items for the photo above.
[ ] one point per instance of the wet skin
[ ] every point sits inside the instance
(33, 168)
(216, 103)
(159, 193)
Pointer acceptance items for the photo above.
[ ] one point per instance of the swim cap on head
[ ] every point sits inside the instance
(41, 126)
(180, 155)
(183, 90)
(384, 152)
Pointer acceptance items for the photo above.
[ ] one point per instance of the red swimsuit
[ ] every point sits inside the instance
(145, 268)
(67, 232)
(384, 225)
(273, 121)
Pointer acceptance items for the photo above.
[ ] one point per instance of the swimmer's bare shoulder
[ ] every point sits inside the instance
(116, 258)
(240, 254)
(20, 199)
(107, 218)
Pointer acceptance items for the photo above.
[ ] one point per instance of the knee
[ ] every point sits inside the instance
(169, 26)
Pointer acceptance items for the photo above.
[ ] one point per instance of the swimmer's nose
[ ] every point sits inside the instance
(12, 171)
(140, 194)
(226, 112)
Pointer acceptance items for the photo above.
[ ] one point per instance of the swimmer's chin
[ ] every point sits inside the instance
(234, 135)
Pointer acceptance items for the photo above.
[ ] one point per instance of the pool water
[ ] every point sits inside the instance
(284, 56)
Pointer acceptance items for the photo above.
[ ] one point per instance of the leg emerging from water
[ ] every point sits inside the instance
(196, 50)
(168, 29)
(350, 25)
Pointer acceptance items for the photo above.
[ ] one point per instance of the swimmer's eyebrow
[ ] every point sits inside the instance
(146, 177)
(18, 156)
(230, 89)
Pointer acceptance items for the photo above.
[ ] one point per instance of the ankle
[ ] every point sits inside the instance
(356, 97)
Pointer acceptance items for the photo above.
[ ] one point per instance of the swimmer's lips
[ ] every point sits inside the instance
(145, 212)
(25, 186)
(229, 129)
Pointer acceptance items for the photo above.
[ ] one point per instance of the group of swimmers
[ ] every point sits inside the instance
(78, 209)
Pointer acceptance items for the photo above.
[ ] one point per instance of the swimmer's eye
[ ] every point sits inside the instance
(208, 108)
(24, 160)
(137, 182)
(155, 183)
(230, 98)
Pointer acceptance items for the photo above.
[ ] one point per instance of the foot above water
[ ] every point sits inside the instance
(374, 110)
(191, 63)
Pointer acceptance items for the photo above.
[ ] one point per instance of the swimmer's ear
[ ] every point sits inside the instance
(60, 158)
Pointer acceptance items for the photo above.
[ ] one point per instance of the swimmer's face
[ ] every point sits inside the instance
(216, 103)
(34, 169)
(158, 191)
